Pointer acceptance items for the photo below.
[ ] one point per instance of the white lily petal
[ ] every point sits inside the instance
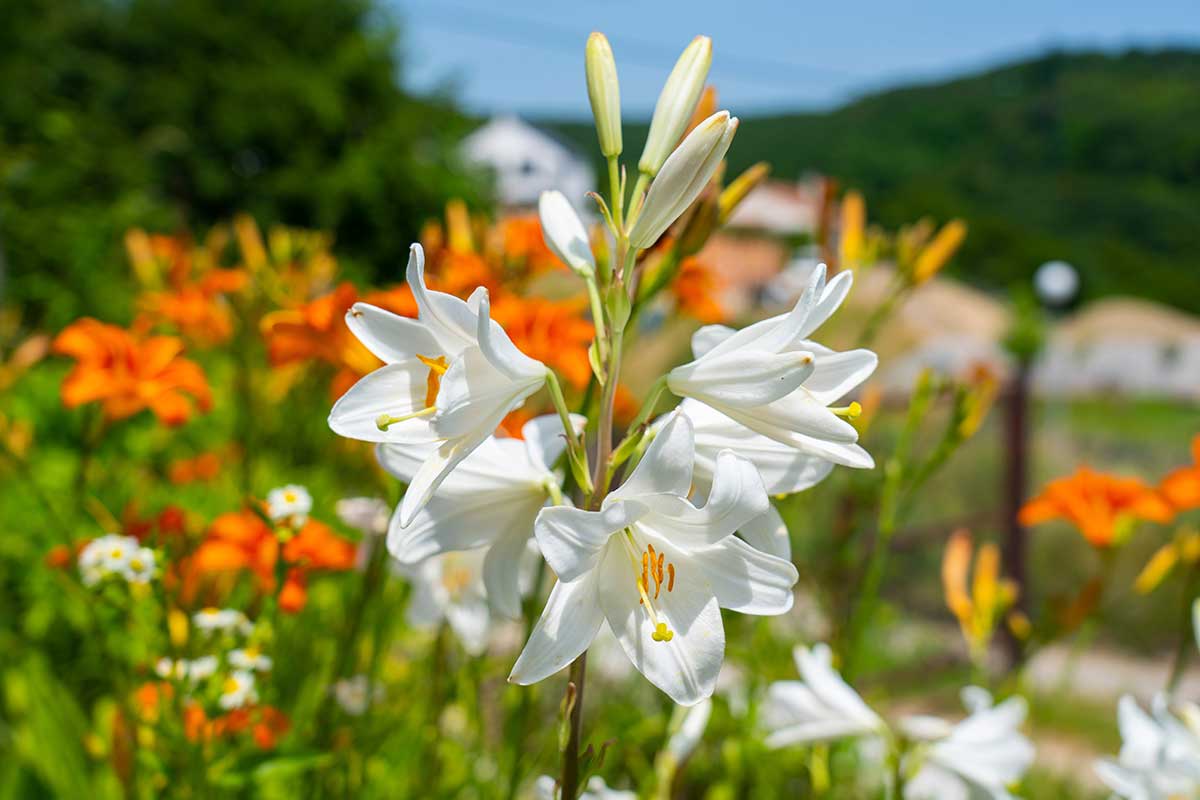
(564, 233)
(394, 390)
(745, 378)
(390, 337)
(567, 626)
(572, 540)
(545, 440)
(746, 579)
(708, 337)
(499, 350)
(786, 419)
(833, 294)
(502, 568)
(686, 667)
(666, 467)
(737, 496)
(449, 320)
(473, 390)
(470, 622)
(837, 374)
(769, 534)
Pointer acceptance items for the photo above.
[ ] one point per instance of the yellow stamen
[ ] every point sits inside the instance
(654, 568)
(383, 421)
(433, 383)
(851, 411)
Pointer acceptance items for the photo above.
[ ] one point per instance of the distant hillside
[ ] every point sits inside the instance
(1092, 158)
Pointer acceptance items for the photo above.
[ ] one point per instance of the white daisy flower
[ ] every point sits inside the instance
(250, 659)
(140, 567)
(214, 620)
(237, 690)
(289, 504)
(354, 694)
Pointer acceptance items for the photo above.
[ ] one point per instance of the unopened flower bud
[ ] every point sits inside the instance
(675, 104)
(683, 177)
(564, 233)
(604, 94)
(733, 194)
(700, 225)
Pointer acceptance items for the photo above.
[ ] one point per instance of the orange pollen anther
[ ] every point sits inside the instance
(433, 383)
(655, 568)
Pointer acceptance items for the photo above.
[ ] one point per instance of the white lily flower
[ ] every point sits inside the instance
(1160, 752)
(563, 231)
(488, 503)
(684, 175)
(368, 514)
(658, 569)
(980, 756)
(771, 379)
(250, 659)
(546, 788)
(676, 104)
(237, 690)
(784, 469)
(449, 588)
(688, 729)
(289, 503)
(819, 708)
(449, 378)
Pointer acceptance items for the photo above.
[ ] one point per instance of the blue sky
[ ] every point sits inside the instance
(527, 56)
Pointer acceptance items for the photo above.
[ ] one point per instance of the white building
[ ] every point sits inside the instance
(527, 161)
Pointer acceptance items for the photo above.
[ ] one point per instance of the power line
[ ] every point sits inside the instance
(548, 36)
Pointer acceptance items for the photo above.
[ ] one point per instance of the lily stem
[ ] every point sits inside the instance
(570, 770)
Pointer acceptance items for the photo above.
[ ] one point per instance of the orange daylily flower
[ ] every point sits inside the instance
(242, 540)
(554, 332)
(128, 374)
(696, 287)
(202, 468)
(317, 331)
(523, 242)
(1103, 507)
(1181, 487)
(187, 289)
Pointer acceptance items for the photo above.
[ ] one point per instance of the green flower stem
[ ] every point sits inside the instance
(576, 452)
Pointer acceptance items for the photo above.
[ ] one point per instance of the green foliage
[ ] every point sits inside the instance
(177, 113)
(1090, 158)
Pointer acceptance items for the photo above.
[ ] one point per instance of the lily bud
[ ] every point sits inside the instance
(564, 233)
(742, 185)
(604, 93)
(683, 177)
(675, 104)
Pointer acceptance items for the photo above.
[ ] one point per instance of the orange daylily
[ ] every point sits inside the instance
(554, 332)
(242, 540)
(523, 242)
(695, 288)
(317, 331)
(1103, 507)
(980, 603)
(1181, 487)
(185, 287)
(127, 373)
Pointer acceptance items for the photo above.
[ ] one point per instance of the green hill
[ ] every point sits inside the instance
(1093, 158)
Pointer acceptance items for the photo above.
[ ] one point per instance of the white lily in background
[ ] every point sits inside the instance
(772, 379)
(563, 231)
(784, 469)
(449, 588)
(658, 569)
(1160, 753)
(687, 726)
(449, 378)
(819, 708)
(489, 503)
(982, 755)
